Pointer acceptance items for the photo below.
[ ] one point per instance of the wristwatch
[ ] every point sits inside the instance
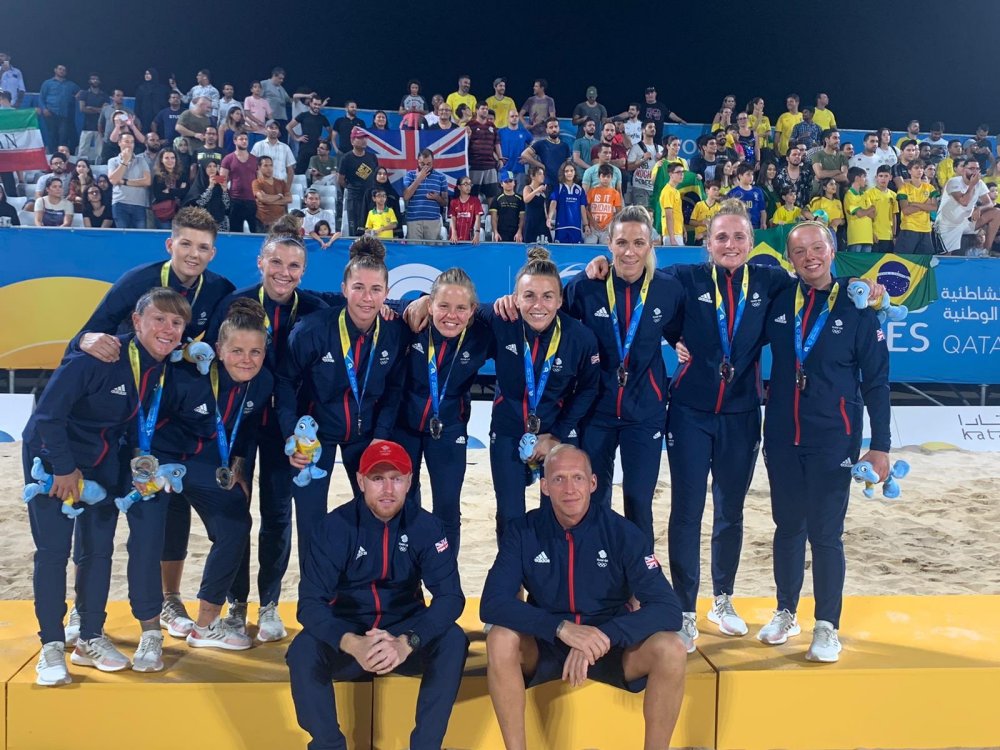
(124, 181)
(412, 640)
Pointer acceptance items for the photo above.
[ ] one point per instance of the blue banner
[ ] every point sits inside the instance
(51, 279)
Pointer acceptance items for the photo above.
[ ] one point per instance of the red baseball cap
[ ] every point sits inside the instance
(386, 452)
(357, 132)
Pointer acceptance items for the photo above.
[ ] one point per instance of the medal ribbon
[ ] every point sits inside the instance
(349, 365)
(432, 371)
(802, 348)
(626, 347)
(720, 311)
(147, 422)
(225, 446)
(165, 281)
(535, 393)
(267, 318)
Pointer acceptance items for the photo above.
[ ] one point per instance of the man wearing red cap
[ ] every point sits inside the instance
(357, 175)
(362, 609)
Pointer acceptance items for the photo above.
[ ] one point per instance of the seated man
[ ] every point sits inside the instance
(362, 609)
(580, 563)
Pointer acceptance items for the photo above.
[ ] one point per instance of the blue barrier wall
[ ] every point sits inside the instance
(50, 280)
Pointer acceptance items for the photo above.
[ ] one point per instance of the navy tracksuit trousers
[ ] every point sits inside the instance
(312, 665)
(810, 490)
(699, 442)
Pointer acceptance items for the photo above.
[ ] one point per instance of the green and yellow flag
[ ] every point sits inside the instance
(909, 279)
(769, 247)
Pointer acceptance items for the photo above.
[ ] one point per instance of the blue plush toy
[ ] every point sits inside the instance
(145, 485)
(864, 472)
(858, 292)
(89, 492)
(197, 352)
(304, 441)
(525, 449)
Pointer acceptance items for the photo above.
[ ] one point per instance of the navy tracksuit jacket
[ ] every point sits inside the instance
(445, 455)
(631, 417)
(569, 394)
(86, 419)
(714, 425)
(812, 437)
(363, 573)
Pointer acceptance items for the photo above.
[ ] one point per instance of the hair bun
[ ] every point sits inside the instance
(538, 253)
(368, 246)
(245, 313)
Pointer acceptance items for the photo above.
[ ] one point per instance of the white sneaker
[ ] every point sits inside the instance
(51, 667)
(236, 617)
(220, 634)
(72, 628)
(269, 624)
(149, 655)
(783, 626)
(99, 652)
(174, 617)
(825, 646)
(724, 615)
(689, 630)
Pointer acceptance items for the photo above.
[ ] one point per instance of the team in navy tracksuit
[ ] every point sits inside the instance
(362, 573)
(457, 366)
(312, 379)
(812, 437)
(571, 389)
(114, 310)
(86, 420)
(714, 423)
(632, 416)
(188, 435)
(274, 478)
(586, 575)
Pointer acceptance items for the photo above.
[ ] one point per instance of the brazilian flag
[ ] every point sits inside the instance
(691, 191)
(769, 247)
(909, 279)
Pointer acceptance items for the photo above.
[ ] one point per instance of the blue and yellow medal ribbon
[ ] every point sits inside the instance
(720, 311)
(803, 347)
(146, 422)
(345, 346)
(535, 392)
(625, 347)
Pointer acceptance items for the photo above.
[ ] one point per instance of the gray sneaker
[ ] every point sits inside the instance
(51, 667)
(72, 629)
(236, 617)
(825, 645)
(174, 617)
(149, 654)
(689, 630)
(269, 624)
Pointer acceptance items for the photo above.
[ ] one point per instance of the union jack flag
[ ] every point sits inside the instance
(441, 546)
(397, 152)
(651, 562)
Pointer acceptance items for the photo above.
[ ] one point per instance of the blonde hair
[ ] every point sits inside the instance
(455, 277)
(243, 315)
(636, 215)
(827, 233)
(165, 300)
(730, 207)
(539, 264)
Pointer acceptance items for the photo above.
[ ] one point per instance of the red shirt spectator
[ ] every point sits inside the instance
(241, 176)
(483, 141)
(465, 216)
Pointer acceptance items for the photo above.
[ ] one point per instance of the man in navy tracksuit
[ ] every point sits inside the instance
(830, 360)
(580, 563)
(629, 412)
(362, 608)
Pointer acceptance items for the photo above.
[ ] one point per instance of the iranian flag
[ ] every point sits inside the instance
(21, 144)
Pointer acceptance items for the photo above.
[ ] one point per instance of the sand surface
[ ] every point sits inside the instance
(942, 537)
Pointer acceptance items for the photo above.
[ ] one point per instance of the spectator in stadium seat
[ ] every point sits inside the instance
(484, 152)
(272, 195)
(631, 124)
(465, 214)
(116, 119)
(256, 112)
(569, 218)
(591, 177)
(227, 102)
(339, 600)
(786, 123)
(937, 142)
(514, 138)
(431, 118)
(281, 155)
(916, 200)
(193, 124)
(11, 80)
(946, 167)
(59, 167)
(829, 201)
(535, 220)
(240, 169)
(203, 88)
(322, 169)
(979, 148)
(868, 160)
(153, 145)
(170, 185)
(604, 203)
(165, 122)
(912, 133)
(150, 97)
(705, 163)
(444, 118)
(886, 152)
(584, 145)
(658, 112)
(413, 101)
(589, 109)
(380, 122)
(748, 138)
(357, 171)
(860, 213)
(806, 132)
(501, 104)
(507, 211)
(619, 154)
(52, 209)
(886, 210)
(130, 178)
(91, 100)
(823, 116)
(56, 100)
(312, 124)
(548, 152)
(598, 636)
(343, 126)
(313, 212)
(209, 152)
(751, 196)
(392, 199)
(965, 208)
(538, 108)
(462, 96)
(426, 193)
(908, 153)
(829, 161)
(234, 123)
(641, 161)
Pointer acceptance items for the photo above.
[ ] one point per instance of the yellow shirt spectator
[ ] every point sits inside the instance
(671, 198)
(920, 221)
(824, 118)
(783, 129)
(833, 207)
(886, 208)
(656, 167)
(945, 171)
(783, 215)
(761, 127)
(377, 220)
(501, 107)
(703, 212)
(859, 228)
(455, 98)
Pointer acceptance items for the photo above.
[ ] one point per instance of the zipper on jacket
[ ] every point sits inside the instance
(572, 583)
(385, 572)
(729, 331)
(628, 321)
(843, 413)
(798, 393)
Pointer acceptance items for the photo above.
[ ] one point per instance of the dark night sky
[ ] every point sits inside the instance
(881, 62)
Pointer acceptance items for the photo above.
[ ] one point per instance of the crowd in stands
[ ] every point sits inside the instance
(250, 162)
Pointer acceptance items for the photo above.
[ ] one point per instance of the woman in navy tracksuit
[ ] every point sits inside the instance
(209, 424)
(565, 369)
(282, 264)
(629, 315)
(830, 361)
(345, 368)
(441, 363)
(86, 420)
